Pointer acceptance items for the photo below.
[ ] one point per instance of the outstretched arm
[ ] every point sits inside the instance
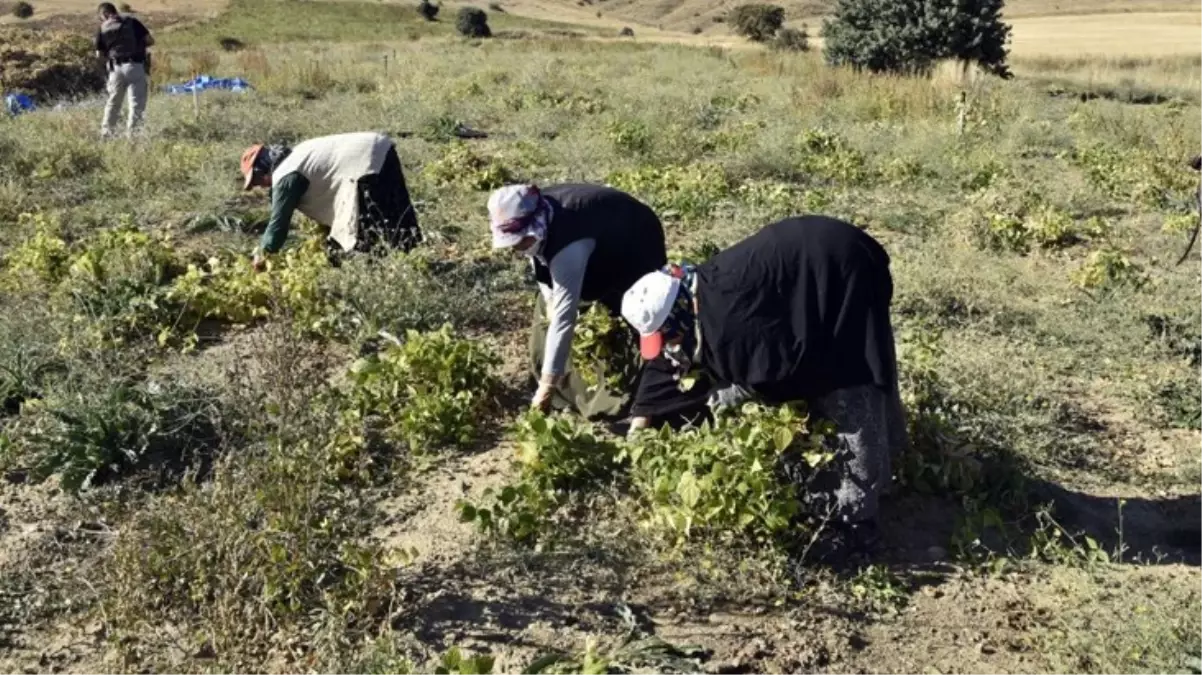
(567, 279)
(285, 195)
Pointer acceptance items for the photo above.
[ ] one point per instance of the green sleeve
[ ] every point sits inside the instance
(285, 195)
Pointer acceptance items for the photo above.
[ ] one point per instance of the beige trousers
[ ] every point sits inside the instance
(127, 79)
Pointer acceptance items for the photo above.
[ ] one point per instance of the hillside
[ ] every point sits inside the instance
(689, 16)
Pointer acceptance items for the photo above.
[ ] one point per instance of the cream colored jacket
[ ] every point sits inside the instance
(333, 166)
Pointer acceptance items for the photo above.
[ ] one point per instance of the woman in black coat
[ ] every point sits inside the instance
(799, 311)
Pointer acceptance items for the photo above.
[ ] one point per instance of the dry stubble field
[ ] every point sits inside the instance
(197, 479)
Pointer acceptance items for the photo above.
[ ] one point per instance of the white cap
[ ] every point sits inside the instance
(646, 305)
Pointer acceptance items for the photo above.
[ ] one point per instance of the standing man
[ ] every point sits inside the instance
(351, 183)
(122, 42)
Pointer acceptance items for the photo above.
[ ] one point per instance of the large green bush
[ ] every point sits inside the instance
(909, 36)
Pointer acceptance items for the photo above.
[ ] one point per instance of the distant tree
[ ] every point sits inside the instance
(428, 10)
(627, 32)
(975, 33)
(791, 40)
(126, 9)
(22, 10)
(472, 22)
(496, 7)
(909, 36)
(757, 22)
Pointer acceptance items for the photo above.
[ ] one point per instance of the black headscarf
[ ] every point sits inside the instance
(269, 158)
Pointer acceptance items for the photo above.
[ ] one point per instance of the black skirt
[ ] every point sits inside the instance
(387, 219)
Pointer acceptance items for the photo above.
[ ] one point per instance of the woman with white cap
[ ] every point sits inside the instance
(799, 311)
(586, 243)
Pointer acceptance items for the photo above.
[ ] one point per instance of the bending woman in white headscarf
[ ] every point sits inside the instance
(586, 243)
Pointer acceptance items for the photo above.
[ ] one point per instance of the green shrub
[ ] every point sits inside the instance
(685, 192)
(1042, 226)
(472, 22)
(791, 40)
(723, 479)
(629, 136)
(39, 261)
(460, 166)
(522, 98)
(97, 431)
(429, 391)
(983, 176)
(758, 22)
(227, 289)
(774, 198)
(556, 457)
(1109, 268)
(121, 283)
(935, 462)
(909, 36)
(114, 282)
(828, 156)
(22, 10)
(1136, 175)
(601, 349)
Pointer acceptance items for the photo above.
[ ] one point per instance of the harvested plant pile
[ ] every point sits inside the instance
(48, 66)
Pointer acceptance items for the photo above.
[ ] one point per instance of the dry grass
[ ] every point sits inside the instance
(1138, 79)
